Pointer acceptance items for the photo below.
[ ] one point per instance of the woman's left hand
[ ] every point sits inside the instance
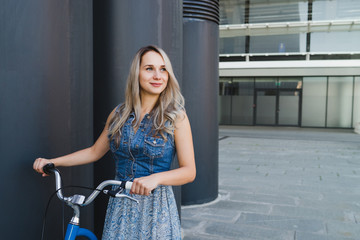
(144, 185)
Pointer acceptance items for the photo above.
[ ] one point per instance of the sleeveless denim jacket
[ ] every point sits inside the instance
(142, 153)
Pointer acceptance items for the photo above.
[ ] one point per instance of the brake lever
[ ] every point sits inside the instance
(113, 193)
(119, 194)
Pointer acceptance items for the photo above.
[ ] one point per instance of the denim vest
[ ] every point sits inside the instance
(142, 153)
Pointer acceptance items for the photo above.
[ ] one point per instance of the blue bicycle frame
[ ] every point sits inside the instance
(74, 231)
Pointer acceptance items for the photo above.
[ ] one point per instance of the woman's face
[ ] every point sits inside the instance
(153, 76)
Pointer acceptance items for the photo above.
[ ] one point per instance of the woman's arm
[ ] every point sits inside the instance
(87, 155)
(185, 152)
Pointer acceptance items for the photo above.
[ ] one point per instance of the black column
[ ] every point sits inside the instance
(45, 108)
(120, 29)
(200, 86)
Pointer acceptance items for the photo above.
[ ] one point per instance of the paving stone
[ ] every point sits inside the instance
(282, 183)
(307, 212)
(262, 198)
(187, 223)
(247, 232)
(201, 236)
(344, 229)
(207, 213)
(311, 236)
(282, 223)
(242, 206)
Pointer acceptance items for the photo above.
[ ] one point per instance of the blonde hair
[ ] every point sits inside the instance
(169, 106)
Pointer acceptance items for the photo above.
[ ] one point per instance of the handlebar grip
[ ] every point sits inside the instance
(49, 168)
(128, 185)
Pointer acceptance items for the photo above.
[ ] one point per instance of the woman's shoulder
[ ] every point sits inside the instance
(181, 117)
(116, 112)
(181, 114)
(119, 107)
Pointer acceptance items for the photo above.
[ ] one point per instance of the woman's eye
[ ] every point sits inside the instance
(163, 69)
(148, 68)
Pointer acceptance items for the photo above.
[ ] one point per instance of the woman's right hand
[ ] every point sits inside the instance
(38, 165)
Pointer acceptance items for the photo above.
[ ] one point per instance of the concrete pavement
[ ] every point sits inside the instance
(282, 183)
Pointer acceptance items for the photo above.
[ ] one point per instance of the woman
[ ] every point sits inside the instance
(143, 134)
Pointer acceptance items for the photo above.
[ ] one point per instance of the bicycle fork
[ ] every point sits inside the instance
(74, 230)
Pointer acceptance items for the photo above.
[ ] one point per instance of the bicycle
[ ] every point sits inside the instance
(77, 201)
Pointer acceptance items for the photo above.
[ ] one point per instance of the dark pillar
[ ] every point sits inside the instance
(200, 87)
(45, 108)
(120, 29)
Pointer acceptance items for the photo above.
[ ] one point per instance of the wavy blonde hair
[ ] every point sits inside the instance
(169, 106)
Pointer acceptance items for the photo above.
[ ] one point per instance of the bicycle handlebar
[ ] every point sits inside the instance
(50, 168)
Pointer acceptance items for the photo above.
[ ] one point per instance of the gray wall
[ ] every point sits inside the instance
(45, 107)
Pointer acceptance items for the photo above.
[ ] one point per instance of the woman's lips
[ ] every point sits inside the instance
(156, 84)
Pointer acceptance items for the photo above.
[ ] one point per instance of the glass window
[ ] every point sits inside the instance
(314, 101)
(242, 101)
(289, 107)
(225, 86)
(266, 107)
(356, 107)
(277, 11)
(278, 43)
(244, 86)
(266, 83)
(340, 99)
(335, 9)
(232, 12)
(290, 83)
(224, 101)
(232, 45)
(335, 41)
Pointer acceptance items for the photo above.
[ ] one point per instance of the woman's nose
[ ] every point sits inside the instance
(157, 74)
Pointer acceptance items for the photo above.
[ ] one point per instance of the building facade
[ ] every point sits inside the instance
(290, 63)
